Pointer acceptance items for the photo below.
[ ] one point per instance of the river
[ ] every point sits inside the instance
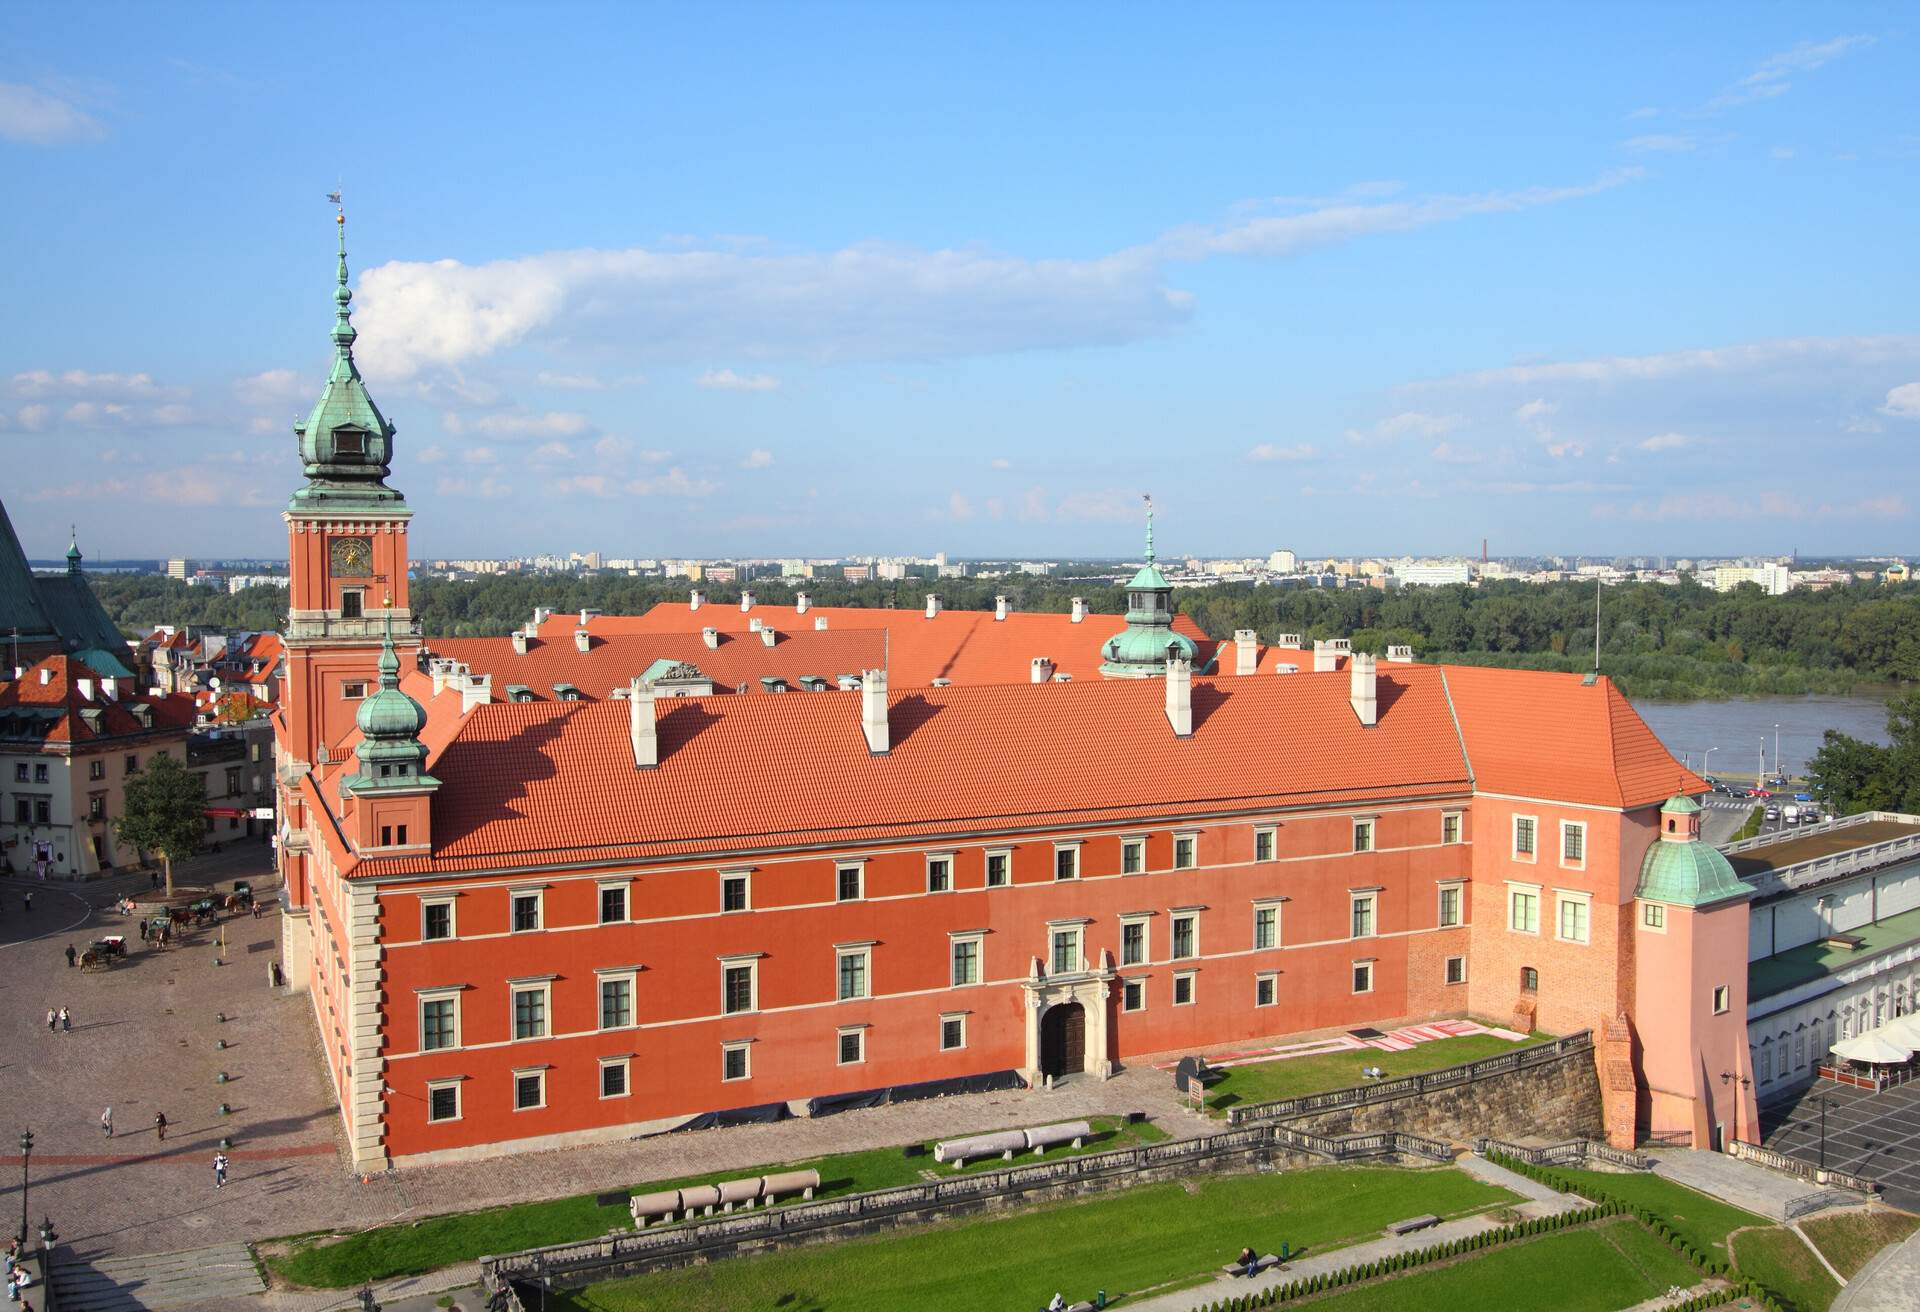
(1736, 726)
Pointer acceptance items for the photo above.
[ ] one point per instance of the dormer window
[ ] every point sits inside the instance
(349, 442)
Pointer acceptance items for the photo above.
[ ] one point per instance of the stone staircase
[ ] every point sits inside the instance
(158, 1280)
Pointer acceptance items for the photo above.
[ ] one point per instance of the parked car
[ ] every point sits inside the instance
(1773, 813)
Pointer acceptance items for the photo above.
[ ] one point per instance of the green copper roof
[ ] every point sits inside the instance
(1140, 650)
(346, 444)
(1680, 805)
(390, 754)
(1687, 872)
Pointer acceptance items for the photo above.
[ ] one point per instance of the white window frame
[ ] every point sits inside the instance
(953, 1018)
(1369, 826)
(539, 896)
(1457, 887)
(745, 1048)
(535, 1072)
(1072, 852)
(859, 870)
(626, 1077)
(840, 1036)
(864, 951)
(1079, 954)
(453, 918)
(422, 998)
(1723, 1000)
(1356, 967)
(1564, 897)
(1261, 905)
(1188, 977)
(938, 858)
(459, 1100)
(1192, 916)
(744, 878)
(1136, 845)
(751, 962)
(1653, 917)
(1144, 919)
(1191, 837)
(1458, 819)
(1006, 868)
(514, 989)
(1570, 827)
(1371, 897)
(1519, 890)
(628, 975)
(1270, 979)
(1271, 833)
(955, 940)
(1533, 821)
(1445, 982)
(346, 687)
(1137, 982)
(626, 901)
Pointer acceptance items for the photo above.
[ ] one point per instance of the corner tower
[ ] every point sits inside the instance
(1141, 650)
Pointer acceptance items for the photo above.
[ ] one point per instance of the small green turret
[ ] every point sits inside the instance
(390, 754)
(1140, 651)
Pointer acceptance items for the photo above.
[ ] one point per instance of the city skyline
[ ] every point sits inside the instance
(1284, 270)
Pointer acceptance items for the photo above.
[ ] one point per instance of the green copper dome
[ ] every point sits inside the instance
(1685, 871)
(1140, 650)
(346, 444)
(1680, 805)
(390, 753)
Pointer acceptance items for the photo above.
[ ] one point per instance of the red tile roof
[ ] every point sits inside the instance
(612, 661)
(61, 694)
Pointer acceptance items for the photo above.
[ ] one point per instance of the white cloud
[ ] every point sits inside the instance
(1449, 454)
(1658, 143)
(1269, 451)
(516, 426)
(959, 508)
(1535, 411)
(673, 483)
(479, 455)
(574, 382)
(1903, 402)
(726, 380)
(1666, 442)
(81, 384)
(85, 490)
(1410, 423)
(552, 452)
(33, 418)
(202, 485)
(431, 455)
(1107, 506)
(274, 387)
(35, 118)
(1821, 351)
(758, 458)
(1770, 79)
(1862, 424)
(489, 488)
(591, 485)
(1565, 449)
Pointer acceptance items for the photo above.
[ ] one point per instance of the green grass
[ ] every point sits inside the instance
(412, 1247)
(1778, 1259)
(1751, 829)
(1125, 1242)
(1595, 1269)
(1704, 1222)
(1850, 1239)
(1295, 1077)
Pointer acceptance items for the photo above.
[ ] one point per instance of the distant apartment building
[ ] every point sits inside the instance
(857, 573)
(1282, 562)
(1433, 573)
(891, 570)
(1772, 578)
(177, 569)
(241, 582)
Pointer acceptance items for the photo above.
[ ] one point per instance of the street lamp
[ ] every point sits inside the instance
(26, 1155)
(1776, 751)
(47, 1240)
(1706, 762)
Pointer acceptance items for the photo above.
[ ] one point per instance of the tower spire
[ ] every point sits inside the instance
(73, 549)
(1148, 498)
(343, 332)
(346, 444)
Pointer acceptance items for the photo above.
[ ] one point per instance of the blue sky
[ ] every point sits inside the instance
(817, 279)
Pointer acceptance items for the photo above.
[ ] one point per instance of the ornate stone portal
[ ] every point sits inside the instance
(1090, 989)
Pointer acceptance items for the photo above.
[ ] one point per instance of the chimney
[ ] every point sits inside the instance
(1291, 641)
(641, 726)
(86, 689)
(768, 636)
(999, 608)
(801, 603)
(710, 636)
(1079, 609)
(438, 670)
(933, 604)
(586, 615)
(519, 642)
(754, 625)
(696, 599)
(581, 640)
(475, 690)
(746, 602)
(1363, 688)
(819, 622)
(1401, 655)
(1180, 696)
(540, 616)
(873, 710)
(46, 675)
(1246, 651)
(1286, 667)
(1042, 669)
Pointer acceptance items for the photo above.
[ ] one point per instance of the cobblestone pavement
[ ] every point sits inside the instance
(1872, 1134)
(1733, 1180)
(144, 1040)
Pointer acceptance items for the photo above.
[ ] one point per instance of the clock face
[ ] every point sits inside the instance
(352, 557)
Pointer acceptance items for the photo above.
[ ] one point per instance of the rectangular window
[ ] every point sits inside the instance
(939, 874)
(530, 1012)
(737, 989)
(1362, 918)
(1133, 995)
(853, 1047)
(96, 769)
(439, 1025)
(42, 811)
(1456, 970)
(1363, 977)
(400, 834)
(233, 780)
(734, 1062)
(997, 869)
(613, 1078)
(1133, 855)
(40, 772)
(1722, 999)
(1573, 919)
(1573, 843)
(733, 892)
(848, 881)
(1183, 852)
(350, 599)
(20, 771)
(1363, 835)
(1263, 845)
(1066, 951)
(1133, 942)
(526, 912)
(1449, 906)
(613, 904)
(1653, 915)
(1266, 990)
(133, 764)
(1066, 862)
(1266, 927)
(436, 920)
(97, 807)
(443, 1101)
(616, 1003)
(966, 962)
(1450, 827)
(1523, 836)
(1523, 911)
(353, 690)
(1183, 989)
(529, 1090)
(1186, 930)
(953, 1033)
(386, 835)
(853, 973)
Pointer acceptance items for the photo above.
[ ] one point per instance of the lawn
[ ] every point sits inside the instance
(1594, 1269)
(1850, 1239)
(1125, 1242)
(1778, 1259)
(411, 1247)
(1702, 1221)
(1294, 1077)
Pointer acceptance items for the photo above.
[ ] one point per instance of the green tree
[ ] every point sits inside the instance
(162, 812)
(1860, 776)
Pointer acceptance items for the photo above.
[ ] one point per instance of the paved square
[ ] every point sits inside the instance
(1872, 1134)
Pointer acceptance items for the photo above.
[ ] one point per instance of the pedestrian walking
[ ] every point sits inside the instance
(66, 1022)
(154, 875)
(106, 1122)
(219, 1170)
(143, 931)
(72, 956)
(26, 902)
(160, 1126)
(256, 911)
(53, 1021)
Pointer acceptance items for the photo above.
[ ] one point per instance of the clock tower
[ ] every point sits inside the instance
(347, 578)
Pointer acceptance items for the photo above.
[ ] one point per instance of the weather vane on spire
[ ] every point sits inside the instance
(1148, 498)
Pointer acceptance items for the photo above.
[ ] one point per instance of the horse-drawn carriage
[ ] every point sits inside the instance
(241, 899)
(102, 953)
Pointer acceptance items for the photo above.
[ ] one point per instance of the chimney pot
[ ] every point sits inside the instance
(819, 622)
(873, 711)
(801, 603)
(1079, 609)
(1000, 608)
(519, 643)
(1363, 689)
(1291, 641)
(1246, 651)
(1180, 696)
(695, 599)
(582, 640)
(1400, 654)
(710, 636)
(769, 636)
(933, 604)
(746, 602)
(754, 625)
(642, 729)
(1042, 669)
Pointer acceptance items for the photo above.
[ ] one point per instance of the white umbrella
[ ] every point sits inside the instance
(1903, 1029)
(1873, 1047)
